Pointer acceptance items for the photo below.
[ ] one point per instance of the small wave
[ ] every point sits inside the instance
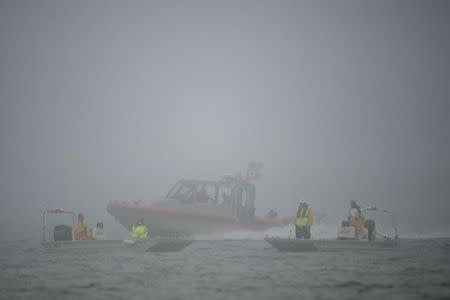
(113, 289)
(86, 286)
(362, 286)
(350, 284)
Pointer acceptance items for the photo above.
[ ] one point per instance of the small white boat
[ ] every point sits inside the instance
(347, 239)
(63, 240)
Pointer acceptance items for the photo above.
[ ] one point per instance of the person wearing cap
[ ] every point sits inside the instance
(303, 221)
(139, 231)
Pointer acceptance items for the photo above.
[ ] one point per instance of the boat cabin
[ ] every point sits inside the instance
(230, 194)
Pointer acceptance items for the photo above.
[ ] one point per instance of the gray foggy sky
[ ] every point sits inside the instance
(117, 100)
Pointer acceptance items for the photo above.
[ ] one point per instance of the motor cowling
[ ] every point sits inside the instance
(370, 225)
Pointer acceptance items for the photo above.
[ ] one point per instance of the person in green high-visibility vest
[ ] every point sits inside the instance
(303, 221)
(139, 231)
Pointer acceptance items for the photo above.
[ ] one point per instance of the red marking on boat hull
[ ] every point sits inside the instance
(167, 220)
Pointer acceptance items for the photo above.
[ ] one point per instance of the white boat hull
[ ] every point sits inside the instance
(299, 245)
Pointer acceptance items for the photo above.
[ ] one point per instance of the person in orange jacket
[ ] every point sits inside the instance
(80, 231)
(356, 218)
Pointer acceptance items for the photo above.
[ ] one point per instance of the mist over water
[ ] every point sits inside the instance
(117, 101)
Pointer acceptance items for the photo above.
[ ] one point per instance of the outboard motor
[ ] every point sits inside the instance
(370, 225)
(62, 233)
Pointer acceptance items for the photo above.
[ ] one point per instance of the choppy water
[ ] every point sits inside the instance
(227, 269)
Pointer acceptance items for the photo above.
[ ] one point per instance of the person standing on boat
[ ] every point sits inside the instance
(139, 231)
(80, 231)
(303, 221)
(356, 218)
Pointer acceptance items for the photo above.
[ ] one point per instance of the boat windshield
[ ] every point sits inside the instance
(181, 191)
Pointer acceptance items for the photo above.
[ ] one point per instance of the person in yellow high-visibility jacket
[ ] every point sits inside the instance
(139, 231)
(303, 221)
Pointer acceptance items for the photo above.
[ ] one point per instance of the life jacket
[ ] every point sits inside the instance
(302, 219)
(139, 231)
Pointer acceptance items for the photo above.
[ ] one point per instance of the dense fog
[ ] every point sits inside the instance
(117, 100)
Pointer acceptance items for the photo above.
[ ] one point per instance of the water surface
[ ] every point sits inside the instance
(227, 269)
